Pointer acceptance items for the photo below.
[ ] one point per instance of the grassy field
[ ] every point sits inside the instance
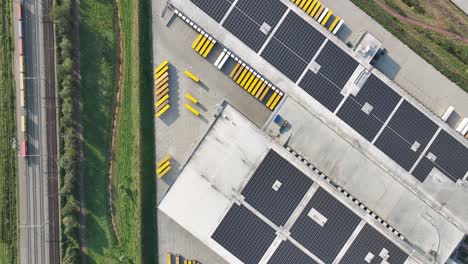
(447, 55)
(133, 164)
(440, 13)
(98, 88)
(133, 171)
(8, 162)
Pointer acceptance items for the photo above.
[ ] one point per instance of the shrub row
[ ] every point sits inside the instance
(68, 141)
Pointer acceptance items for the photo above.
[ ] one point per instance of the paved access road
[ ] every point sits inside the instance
(38, 204)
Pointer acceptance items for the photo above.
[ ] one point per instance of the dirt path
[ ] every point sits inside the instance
(418, 23)
(115, 114)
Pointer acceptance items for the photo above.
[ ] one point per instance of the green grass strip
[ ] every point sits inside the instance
(8, 160)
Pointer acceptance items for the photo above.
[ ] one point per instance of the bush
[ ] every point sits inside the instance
(414, 4)
(69, 156)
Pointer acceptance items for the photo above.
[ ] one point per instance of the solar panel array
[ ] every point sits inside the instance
(293, 46)
(216, 9)
(244, 235)
(422, 170)
(367, 125)
(291, 49)
(380, 97)
(247, 17)
(325, 241)
(371, 241)
(383, 98)
(322, 90)
(299, 36)
(336, 64)
(248, 237)
(407, 127)
(284, 59)
(289, 253)
(451, 158)
(276, 205)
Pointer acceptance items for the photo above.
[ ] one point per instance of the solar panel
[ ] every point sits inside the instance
(244, 235)
(249, 18)
(276, 188)
(406, 136)
(284, 59)
(216, 9)
(299, 36)
(375, 247)
(245, 29)
(322, 90)
(383, 98)
(423, 169)
(396, 148)
(268, 11)
(409, 123)
(451, 158)
(367, 125)
(288, 253)
(336, 64)
(324, 226)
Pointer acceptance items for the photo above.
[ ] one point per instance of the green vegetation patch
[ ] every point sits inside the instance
(98, 47)
(134, 240)
(447, 55)
(133, 170)
(8, 160)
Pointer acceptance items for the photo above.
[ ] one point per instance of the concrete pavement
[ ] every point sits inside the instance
(178, 131)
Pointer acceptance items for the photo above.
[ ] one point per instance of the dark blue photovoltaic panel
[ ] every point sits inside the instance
(407, 126)
(268, 11)
(397, 149)
(322, 90)
(245, 29)
(423, 169)
(378, 95)
(451, 158)
(247, 17)
(301, 37)
(371, 241)
(278, 205)
(412, 125)
(366, 125)
(216, 9)
(336, 64)
(325, 241)
(244, 235)
(288, 253)
(382, 98)
(284, 59)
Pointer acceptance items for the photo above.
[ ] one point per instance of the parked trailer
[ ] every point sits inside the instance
(23, 124)
(21, 81)
(21, 63)
(24, 151)
(20, 46)
(20, 29)
(20, 11)
(21, 99)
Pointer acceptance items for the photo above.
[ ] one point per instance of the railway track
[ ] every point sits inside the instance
(38, 184)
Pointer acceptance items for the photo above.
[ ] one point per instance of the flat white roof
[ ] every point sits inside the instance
(219, 168)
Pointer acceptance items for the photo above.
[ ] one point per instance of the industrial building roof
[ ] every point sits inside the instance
(253, 201)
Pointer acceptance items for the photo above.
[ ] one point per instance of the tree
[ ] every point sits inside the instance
(62, 16)
(65, 47)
